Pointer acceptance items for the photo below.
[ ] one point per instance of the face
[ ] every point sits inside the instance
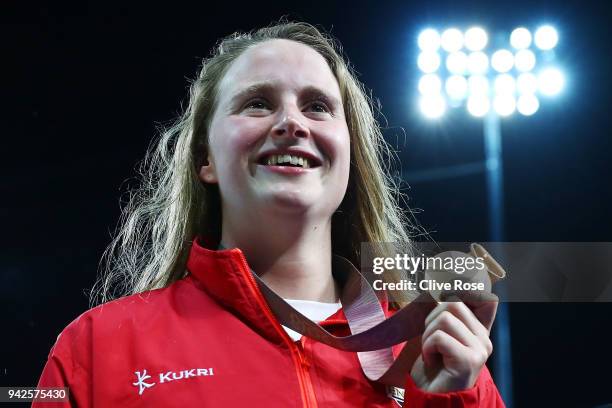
(278, 140)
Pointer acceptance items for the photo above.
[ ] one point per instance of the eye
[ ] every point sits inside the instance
(319, 107)
(256, 104)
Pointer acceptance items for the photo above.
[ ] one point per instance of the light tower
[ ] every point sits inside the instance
(492, 79)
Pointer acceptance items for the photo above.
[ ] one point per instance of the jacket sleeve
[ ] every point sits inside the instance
(483, 394)
(54, 375)
(64, 368)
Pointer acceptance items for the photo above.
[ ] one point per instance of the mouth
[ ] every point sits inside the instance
(294, 159)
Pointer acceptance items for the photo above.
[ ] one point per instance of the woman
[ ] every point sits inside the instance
(278, 156)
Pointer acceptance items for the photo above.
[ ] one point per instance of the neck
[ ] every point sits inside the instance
(293, 258)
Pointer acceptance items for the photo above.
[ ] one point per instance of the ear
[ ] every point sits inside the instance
(207, 172)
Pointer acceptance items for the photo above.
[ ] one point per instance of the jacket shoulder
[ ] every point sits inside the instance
(125, 313)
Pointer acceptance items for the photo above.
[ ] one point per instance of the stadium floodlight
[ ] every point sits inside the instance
(472, 69)
(520, 38)
(478, 105)
(452, 40)
(478, 63)
(476, 39)
(456, 62)
(430, 84)
(527, 104)
(550, 81)
(504, 85)
(456, 87)
(502, 61)
(546, 37)
(478, 85)
(433, 106)
(524, 60)
(429, 40)
(429, 61)
(489, 94)
(504, 104)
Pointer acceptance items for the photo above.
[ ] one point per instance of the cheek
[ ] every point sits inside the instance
(344, 154)
(232, 140)
(343, 162)
(239, 134)
(336, 142)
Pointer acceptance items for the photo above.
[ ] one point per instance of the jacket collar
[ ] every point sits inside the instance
(225, 275)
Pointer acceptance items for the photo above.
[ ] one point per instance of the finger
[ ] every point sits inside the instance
(467, 316)
(455, 305)
(435, 312)
(450, 324)
(482, 304)
(442, 343)
(481, 332)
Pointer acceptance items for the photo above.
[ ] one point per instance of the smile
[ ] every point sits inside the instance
(288, 160)
(294, 158)
(286, 169)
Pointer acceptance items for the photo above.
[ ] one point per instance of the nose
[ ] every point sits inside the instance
(289, 124)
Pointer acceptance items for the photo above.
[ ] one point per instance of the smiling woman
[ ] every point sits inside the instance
(278, 158)
(270, 106)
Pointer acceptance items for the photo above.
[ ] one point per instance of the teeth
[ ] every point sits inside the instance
(287, 158)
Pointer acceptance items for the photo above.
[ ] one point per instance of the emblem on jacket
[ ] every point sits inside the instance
(396, 394)
(143, 380)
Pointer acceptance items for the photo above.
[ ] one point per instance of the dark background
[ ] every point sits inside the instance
(85, 86)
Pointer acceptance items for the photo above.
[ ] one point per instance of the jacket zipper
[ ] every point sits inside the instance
(306, 389)
(305, 364)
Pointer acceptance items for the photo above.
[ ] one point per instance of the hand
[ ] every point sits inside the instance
(455, 343)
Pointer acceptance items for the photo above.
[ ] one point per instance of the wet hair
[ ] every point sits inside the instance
(172, 205)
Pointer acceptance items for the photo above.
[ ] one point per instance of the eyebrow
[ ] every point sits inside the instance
(267, 87)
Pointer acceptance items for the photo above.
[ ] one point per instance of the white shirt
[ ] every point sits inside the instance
(315, 311)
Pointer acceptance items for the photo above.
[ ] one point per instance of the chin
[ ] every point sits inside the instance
(296, 202)
(300, 205)
(292, 200)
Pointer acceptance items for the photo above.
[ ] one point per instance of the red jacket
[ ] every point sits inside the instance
(209, 340)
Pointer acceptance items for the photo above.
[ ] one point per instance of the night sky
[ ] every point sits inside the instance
(84, 88)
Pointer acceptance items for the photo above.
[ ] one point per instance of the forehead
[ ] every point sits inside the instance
(279, 61)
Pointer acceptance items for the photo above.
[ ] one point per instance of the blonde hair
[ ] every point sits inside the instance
(172, 205)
